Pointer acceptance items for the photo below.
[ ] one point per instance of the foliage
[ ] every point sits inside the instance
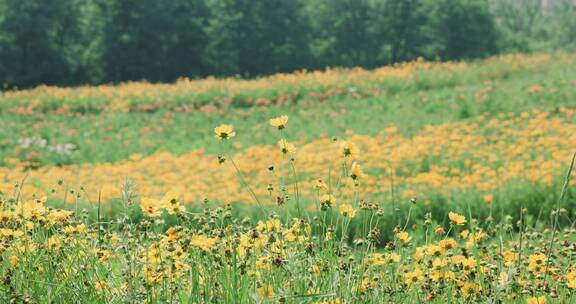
(157, 251)
(71, 42)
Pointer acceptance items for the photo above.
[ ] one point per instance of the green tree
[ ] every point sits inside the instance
(341, 32)
(36, 42)
(465, 28)
(255, 37)
(153, 40)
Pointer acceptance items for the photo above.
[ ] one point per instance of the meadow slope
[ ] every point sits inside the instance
(438, 182)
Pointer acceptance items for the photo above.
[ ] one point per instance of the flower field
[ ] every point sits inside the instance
(422, 182)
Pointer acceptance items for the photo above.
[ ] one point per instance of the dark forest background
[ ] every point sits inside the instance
(70, 42)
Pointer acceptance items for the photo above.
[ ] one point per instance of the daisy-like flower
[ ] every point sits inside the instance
(349, 149)
(571, 279)
(536, 300)
(536, 262)
(14, 261)
(413, 277)
(488, 199)
(468, 288)
(326, 201)
(175, 208)
(457, 219)
(404, 237)
(286, 147)
(347, 211)
(266, 292)
(448, 244)
(224, 131)
(101, 285)
(203, 242)
(150, 207)
(320, 185)
(356, 171)
(279, 122)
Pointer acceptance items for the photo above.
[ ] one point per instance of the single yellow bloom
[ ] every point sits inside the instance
(320, 185)
(457, 219)
(536, 300)
(404, 237)
(286, 147)
(327, 200)
(101, 285)
(203, 242)
(266, 292)
(347, 211)
(14, 261)
(356, 171)
(349, 149)
(150, 207)
(536, 262)
(468, 288)
(509, 258)
(448, 244)
(434, 250)
(224, 131)
(413, 277)
(279, 122)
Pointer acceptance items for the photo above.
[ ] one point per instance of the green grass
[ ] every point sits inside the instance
(521, 218)
(429, 101)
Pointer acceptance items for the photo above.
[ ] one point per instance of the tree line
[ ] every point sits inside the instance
(70, 42)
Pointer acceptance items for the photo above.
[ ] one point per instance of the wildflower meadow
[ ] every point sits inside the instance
(421, 182)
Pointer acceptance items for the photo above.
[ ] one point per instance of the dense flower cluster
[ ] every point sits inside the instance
(480, 155)
(213, 257)
(211, 94)
(158, 251)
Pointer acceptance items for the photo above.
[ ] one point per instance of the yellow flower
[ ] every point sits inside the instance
(571, 279)
(438, 264)
(509, 258)
(114, 239)
(175, 208)
(14, 261)
(468, 288)
(266, 292)
(536, 300)
(536, 262)
(101, 285)
(279, 122)
(394, 257)
(538, 258)
(457, 219)
(203, 242)
(224, 131)
(171, 197)
(404, 237)
(468, 264)
(270, 225)
(9, 233)
(434, 250)
(413, 277)
(349, 149)
(263, 263)
(286, 147)
(448, 244)
(150, 207)
(320, 185)
(488, 199)
(347, 211)
(102, 255)
(326, 201)
(356, 171)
